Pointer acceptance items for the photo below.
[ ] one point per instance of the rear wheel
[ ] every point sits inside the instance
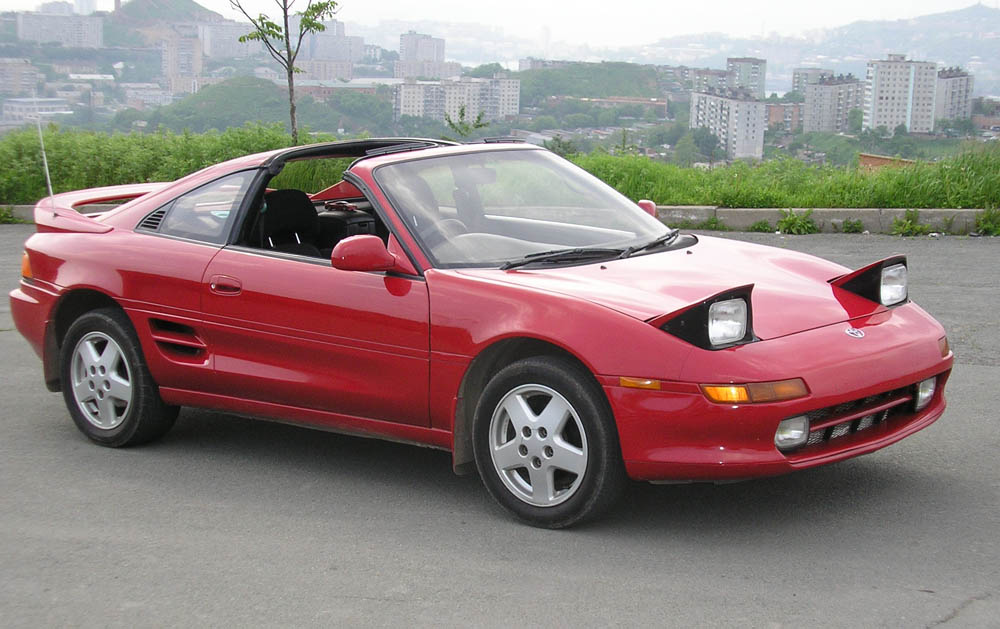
(107, 387)
(546, 445)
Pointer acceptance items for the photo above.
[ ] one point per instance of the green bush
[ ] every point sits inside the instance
(909, 225)
(988, 222)
(853, 226)
(7, 216)
(797, 224)
(969, 180)
(761, 226)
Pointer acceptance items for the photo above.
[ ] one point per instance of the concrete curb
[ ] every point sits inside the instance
(828, 220)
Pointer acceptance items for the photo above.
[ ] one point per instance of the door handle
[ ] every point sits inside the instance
(225, 285)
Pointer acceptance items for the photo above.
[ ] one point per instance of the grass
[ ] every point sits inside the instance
(7, 216)
(909, 225)
(85, 159)
(969, 180)
(797, 224)
(988, 222)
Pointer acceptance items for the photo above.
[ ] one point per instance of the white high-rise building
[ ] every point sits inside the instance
(953, 98)
(830, 101)
(801, 77)
(900, 92)
(414, 46)
(747, 73)
(72, 31)
(496, 99)
(85, 7)
(735, 117)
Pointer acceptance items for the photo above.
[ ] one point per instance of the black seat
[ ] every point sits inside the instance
(289, 223)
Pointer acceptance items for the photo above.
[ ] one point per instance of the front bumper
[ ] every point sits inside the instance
(676, 434)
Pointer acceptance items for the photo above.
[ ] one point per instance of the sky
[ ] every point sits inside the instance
(611, 23)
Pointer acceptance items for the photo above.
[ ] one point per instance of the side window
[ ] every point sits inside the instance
(206, 213)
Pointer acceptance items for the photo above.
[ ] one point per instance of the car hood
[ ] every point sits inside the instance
(791, 290)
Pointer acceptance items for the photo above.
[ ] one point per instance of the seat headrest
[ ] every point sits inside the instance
(288, 211)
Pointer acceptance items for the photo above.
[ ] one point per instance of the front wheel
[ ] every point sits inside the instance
(545, 443)
(106, 384)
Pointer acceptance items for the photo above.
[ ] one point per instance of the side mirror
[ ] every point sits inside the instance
(362, 253)
(648, 206)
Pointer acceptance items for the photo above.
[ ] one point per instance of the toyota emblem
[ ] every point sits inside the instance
(854, 332)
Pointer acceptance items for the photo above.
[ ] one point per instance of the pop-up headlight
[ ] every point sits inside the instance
(721, 321)
(727, 321)
(883, 282)
(893, 289)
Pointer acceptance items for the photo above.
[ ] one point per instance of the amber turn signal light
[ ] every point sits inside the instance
(756, 392)
(25, 266)
(943, 344)
(726, 393)
(639, 383)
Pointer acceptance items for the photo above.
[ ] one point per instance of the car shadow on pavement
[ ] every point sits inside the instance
(856, 494)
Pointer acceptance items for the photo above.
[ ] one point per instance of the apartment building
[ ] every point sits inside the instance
(707, 79)
(181, 56)
(900, 92)
(17, 76)
(747, 73)
(736, 117)
(221, 40)
(426, 69)
(414, 46)
(830, 101)
(325, 70)
(805, 76)
(531, 63)
(72, 31)
(495, 98)
(785, 116)
(953, 97)
(28, 109)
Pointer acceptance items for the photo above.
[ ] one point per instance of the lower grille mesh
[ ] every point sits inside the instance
(826, 434)
(854, 420)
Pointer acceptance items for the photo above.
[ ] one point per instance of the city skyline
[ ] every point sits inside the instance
(632, 22)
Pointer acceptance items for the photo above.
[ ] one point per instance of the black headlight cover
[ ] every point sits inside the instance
(691, 324)
(867, 281)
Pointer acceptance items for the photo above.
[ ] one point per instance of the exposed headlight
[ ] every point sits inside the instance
(727, 321)
(792, 433)
(893, 289)
(925, 391)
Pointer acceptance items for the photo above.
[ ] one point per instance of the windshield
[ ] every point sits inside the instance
(490, 208)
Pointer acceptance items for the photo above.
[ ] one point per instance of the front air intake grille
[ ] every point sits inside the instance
(833, 422)
(153, 220)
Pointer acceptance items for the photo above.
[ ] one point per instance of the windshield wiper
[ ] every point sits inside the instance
(656, 242)
(562, 255)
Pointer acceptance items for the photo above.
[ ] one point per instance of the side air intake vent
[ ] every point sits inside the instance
(152, 221)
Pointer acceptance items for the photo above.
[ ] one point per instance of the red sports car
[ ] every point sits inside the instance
(492, 300)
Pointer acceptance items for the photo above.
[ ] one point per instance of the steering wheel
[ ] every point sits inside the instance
(441, 231)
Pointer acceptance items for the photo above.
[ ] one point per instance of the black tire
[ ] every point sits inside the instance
(560, 497)
(107, 387)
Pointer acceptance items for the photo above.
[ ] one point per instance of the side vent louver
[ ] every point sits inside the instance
(152, 221)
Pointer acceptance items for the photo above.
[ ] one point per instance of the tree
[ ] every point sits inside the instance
(707, 143)
(685, 151)
(485, 71)
(899, 131)
(561, 147)
(282, 44)
(855, 118)
(462, 127)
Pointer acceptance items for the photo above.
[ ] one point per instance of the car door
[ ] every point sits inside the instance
(294, 331)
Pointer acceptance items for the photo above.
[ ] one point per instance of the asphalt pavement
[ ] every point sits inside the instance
(234, 522)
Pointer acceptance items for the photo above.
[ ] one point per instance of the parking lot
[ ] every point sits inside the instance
(229, 521)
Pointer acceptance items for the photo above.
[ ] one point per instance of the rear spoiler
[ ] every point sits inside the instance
(62, 212)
